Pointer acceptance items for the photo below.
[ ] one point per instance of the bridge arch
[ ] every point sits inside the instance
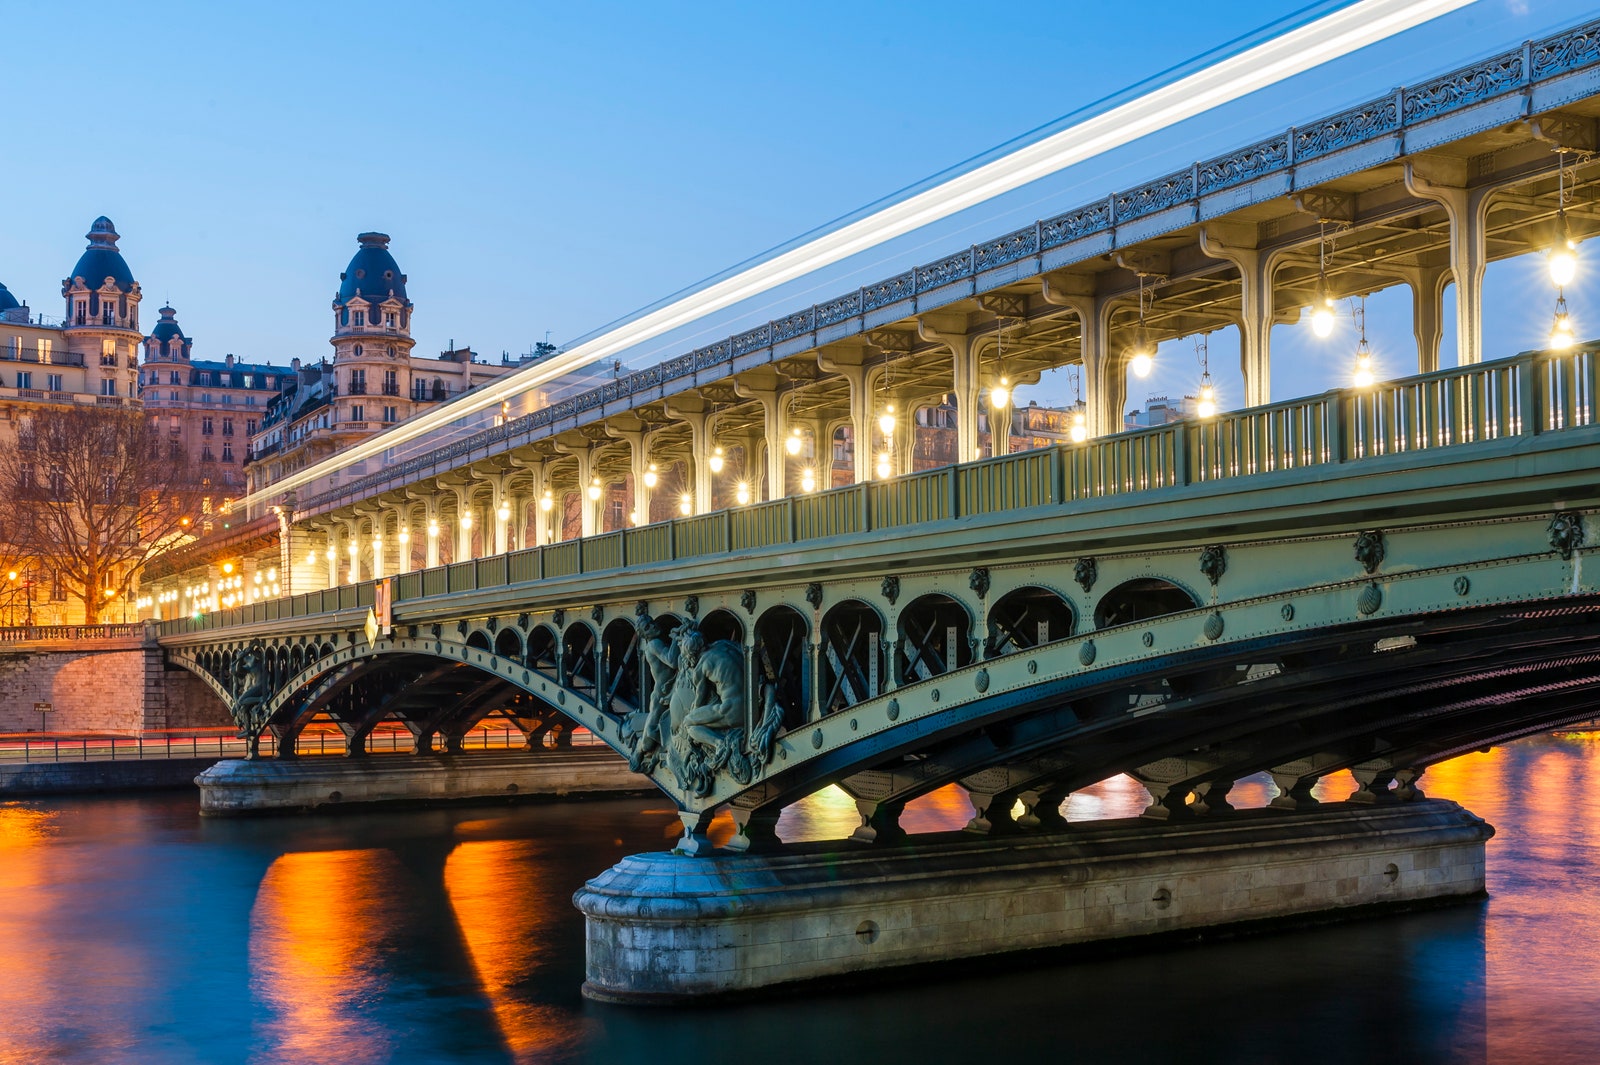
(934, 636)
(1025, 617)
(619, 663)
(722, 624)
(580, 659)
(1141, 599)
(508, 643)
(782, 638)
(479, 639)
(543, 647)
(851, 649)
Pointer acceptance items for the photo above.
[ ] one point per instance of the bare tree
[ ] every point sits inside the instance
(90, 494)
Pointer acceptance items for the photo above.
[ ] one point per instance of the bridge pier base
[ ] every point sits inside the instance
(664, 927)
(269, 785)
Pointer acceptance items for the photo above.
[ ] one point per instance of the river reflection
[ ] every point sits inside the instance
(130, 931)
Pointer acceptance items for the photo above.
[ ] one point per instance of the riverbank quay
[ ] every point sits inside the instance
(274, 785)
(666, 927)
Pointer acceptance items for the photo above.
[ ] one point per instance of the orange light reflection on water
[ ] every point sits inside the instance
(490, 883)
(316, 945)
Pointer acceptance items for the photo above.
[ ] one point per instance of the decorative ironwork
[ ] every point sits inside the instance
(1064, 228)
(890, 588)
(1213, 627)
(1086, 571)
(893, 290)
(559, 616)
(747, 599)
(751, 340)
(1462, 585)
(1158, 195)
(1244, 165)
(597, 613)
(1086, 653)
(978, 581)
(522, 621)
(838, 310)
(1007, 249)
(814, 595)
(794, 325)
(1463, 88)
(980, 681)
(691, 605)
(1370, 599)
(1566, 532)
(1347, 128)
(1566, 51)
(1214, 563)
(1370, 550)
(950, 268)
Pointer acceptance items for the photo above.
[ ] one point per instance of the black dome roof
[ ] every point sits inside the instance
(8, 302)
(102, 259)
(373, 274)
(167, 328)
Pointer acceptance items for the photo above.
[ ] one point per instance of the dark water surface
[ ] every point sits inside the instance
(133, 931)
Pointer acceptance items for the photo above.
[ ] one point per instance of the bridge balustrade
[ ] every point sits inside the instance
(1533, 393)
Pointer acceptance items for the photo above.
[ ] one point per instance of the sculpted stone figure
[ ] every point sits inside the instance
(249, 683)
(696, 714)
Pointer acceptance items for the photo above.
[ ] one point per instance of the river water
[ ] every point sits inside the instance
(133, 931)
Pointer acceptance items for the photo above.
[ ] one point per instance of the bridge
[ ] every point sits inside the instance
(1372, 579)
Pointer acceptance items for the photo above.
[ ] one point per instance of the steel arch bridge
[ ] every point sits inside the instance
(1388, 598)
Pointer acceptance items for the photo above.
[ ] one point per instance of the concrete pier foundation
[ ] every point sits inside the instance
(242, 787)
(665, 927)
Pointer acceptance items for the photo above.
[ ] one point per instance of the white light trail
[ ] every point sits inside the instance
(1295, 52)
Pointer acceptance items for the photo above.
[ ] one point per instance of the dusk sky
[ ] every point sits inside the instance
(553, 167)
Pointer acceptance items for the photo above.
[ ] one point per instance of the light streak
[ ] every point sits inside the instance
(1261, 66)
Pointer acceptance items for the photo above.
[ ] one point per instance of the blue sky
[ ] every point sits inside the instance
(552, 167)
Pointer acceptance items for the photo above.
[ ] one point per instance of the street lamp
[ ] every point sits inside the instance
(794, 443)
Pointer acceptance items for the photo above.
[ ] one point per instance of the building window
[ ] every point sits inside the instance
(108, 387)
(388, 320)
(205, 425)
(358, 382)
(44, 349)
(82, 311)
(391, 383)
(227, 399)
(174, 451)
(389, 415)
(250, 427)
(227, 427)
(205, 397)
(358, 413)
(173, 395)
(206, 455)
(361, 318)
(227, 452)
(24, 378)
(173, 424)
(172, 378)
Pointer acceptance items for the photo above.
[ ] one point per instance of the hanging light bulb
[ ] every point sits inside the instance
(546, 502)
(311, 558)
(331, 553)
(433, 528)
(1322, 305)
(1561, 334)
(1000, 395)
(1080, 429)
(633, 517)
(594, 490)
(808, 480)
(1363, 376)
(466, 520)
(504, 513)
(1563, 259)
(886, 420)
(1142, 358)
(715, 462)
(405, 534)
(650, 477)
(1207, 406)
(885, 466)
(685, 505)
(793, 444)
(742, 493)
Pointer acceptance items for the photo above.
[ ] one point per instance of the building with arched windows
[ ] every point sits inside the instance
(373, 381)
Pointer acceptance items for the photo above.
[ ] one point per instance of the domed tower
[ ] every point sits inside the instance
(372, 337)
(103, 314)
(8, 303)
(166, 342)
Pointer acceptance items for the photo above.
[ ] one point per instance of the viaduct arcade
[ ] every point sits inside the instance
(1374, 579)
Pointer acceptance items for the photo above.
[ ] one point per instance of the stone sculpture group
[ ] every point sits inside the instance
(693, 717)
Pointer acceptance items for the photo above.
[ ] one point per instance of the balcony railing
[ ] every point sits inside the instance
(41, 356)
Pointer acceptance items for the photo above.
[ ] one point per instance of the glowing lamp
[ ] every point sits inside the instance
(1561, 334)
(685, 506)
(594, 490)
(466, 520)
(545, 502)
(885, 467)
(1080, 429)
(1000, 395)
(504, 513)
(405, 534)
(886, 420)
(1563, 264)
(1207, 407)
(1142, 363)
(808, 480)
(650, 477)
(742, 493)
(715, 461)
(793, 444)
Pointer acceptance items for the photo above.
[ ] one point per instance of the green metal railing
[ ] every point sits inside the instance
(1537, 393)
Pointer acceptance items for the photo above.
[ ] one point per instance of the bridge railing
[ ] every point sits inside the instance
(21, 633)
(1540, 392)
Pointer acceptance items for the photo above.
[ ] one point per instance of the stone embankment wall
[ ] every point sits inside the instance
(119, 685)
